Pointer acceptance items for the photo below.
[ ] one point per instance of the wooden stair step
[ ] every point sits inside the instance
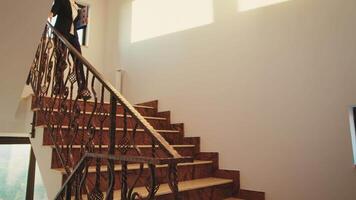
(183, 187)
(117, 129)
(189, 171)
(149, 110)
(117, 115)
(146, 150)
(106, 103)
(139, 146)
(141, 137)
(104, 168)
(157, 122)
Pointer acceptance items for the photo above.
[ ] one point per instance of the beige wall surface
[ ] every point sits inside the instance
(94, 51)
(268, 88)
(22, 23)
(112, 39)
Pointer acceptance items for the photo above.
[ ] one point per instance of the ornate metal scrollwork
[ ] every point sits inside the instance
(73, 121)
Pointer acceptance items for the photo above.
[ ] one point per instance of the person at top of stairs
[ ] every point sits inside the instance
(67, 18)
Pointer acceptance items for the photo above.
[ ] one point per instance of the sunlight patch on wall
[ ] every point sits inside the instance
(153, 18)
(244, 5)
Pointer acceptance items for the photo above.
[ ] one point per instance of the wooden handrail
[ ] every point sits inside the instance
(122, 100)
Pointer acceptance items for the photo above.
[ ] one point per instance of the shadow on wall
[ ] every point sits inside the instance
(154, 18)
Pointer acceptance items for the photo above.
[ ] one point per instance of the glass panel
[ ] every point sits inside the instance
(14, 161)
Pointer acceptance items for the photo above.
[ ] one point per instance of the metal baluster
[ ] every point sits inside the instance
(124, 143)
(51, 120)
(95, 193)
(41, 66)
(76, 185)
(33, 124)
(152, 185)
(90, 145)
(72, 80)
(83, 178)
(111, 164)
(83, 129)
(131, 195)
(74, 128)
(68, 192)
(173, 180)
(124, 186)
(153, 147)
(133, 140)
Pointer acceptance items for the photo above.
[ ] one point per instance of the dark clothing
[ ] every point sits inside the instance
(63, 10)
(79, 69)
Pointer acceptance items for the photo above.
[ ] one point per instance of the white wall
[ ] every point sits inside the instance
(112, 39)
(94, 51)
(22, 23)
(51, 178)
(268, 88)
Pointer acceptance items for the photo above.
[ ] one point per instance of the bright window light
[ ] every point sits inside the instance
(245, 5)
(13, 175)
(352, 117)
(153, 18)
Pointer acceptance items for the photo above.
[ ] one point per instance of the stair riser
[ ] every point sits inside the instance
(185, 173)
(209, 193)
(185, 151)
(84, 119)
(90, 106)
(230, 174)
(140, 138)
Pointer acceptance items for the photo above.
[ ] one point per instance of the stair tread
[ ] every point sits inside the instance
(139, 146)
(119, 129)
(118, 115)
(135, 105)
(137, 166)
(107, 102)
(183, 186)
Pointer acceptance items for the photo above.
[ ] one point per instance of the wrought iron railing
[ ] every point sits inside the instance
(74, 119)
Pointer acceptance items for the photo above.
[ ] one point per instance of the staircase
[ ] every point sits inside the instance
(106, 148)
